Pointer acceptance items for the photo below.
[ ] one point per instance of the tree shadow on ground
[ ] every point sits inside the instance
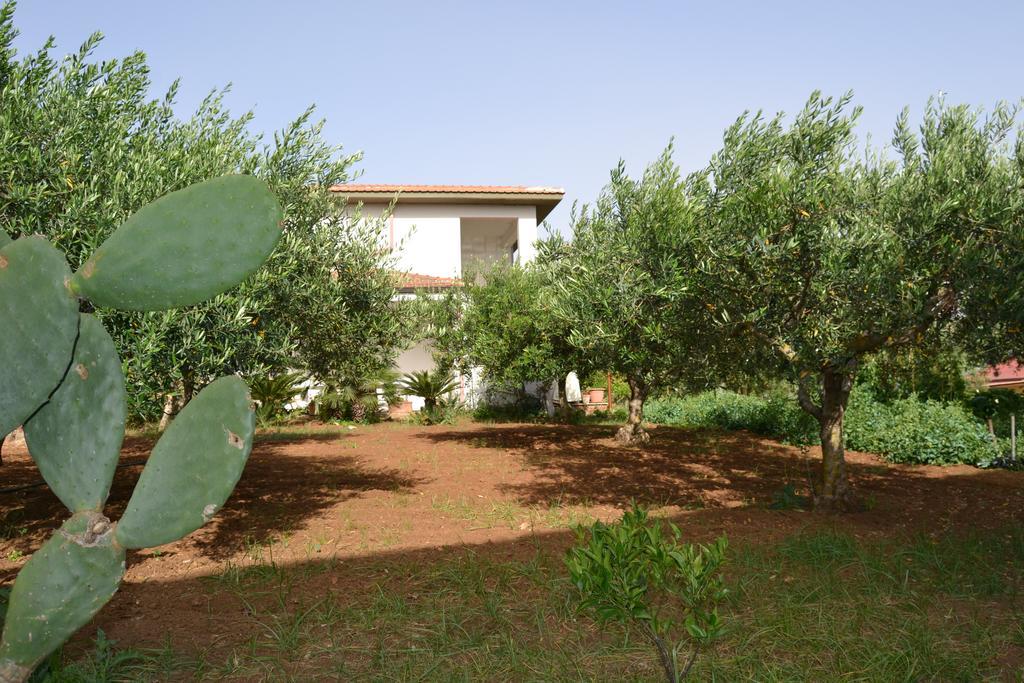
(277, 493)
(693, 468)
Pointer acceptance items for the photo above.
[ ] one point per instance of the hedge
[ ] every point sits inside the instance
(905, 430)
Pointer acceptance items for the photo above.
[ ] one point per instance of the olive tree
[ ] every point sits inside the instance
(817, 254)
(501, 321)
(622, 284)
(83, 145)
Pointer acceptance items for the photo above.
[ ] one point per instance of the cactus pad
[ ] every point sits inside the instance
(185, 247)
(76, 437)
(59, 590)
(39, 322)
(193, 468)
(5, 239)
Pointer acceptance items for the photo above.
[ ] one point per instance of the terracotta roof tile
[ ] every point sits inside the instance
(418, 281)
(1009, 373)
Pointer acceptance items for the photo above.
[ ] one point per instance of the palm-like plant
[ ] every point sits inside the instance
(429, 385)
(359, 397)
(272, 393)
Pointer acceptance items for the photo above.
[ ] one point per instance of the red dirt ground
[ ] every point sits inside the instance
(414, 493)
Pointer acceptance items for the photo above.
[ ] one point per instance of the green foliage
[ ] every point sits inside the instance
(910, 430)
(501, 322)
(359, 398)
(906, 430)
(446, 412)
(775, 415)
(935, 370)
(818, 254)
(526, 409)
(430, 385)
(84, 144)
(634, 573)
(76, 436)
(997, 405)
(272, 392)
(621, 279)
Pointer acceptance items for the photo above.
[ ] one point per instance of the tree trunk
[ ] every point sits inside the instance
(171, 407)
(173, 404)
(833, 491)
(633, 431)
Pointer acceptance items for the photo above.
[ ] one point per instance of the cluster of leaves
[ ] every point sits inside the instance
(361, 398)
(934, 370)
(911, 430)
(633, 572)
(272, 393)
(83, 145)
(434, 387)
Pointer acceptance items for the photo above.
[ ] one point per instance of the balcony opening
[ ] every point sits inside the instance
(488, 240)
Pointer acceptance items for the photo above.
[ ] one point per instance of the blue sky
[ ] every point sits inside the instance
(550, 93)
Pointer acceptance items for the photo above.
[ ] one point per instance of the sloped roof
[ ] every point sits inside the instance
(543, 198)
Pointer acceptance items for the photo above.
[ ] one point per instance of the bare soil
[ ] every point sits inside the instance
(402, 493)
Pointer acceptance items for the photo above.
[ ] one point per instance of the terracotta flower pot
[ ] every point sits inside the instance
(596, 395)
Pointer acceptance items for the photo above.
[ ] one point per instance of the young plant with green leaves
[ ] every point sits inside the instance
(817, 255)
(61, 377)
(622, 284)
(633, 573)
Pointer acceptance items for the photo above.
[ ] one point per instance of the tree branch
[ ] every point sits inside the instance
(804, 397)
(943, 303)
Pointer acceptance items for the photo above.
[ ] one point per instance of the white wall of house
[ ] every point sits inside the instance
(444, 240)
(430, 236)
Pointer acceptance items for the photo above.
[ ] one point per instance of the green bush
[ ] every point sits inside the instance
(776, 415)
(633, 573)
(913, 431)
(905, 430)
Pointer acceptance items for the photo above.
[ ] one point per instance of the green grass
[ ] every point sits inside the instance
(819, 606)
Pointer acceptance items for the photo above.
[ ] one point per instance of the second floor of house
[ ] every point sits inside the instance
(443, 231)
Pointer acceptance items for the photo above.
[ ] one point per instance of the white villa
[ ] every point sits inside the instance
(442, 229)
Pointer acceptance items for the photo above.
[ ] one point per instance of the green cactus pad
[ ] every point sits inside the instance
(185, 247)
(193, 468)
(76, 437)
(59, 590)
(38, 325)
(5, 239)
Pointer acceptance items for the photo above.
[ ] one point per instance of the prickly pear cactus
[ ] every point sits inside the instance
(61, 378)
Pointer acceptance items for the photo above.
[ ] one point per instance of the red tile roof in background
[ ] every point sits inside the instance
(1009, 373)
(417, 281)
(460, 189)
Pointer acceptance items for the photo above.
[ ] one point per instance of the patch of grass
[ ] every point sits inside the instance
(820, 605)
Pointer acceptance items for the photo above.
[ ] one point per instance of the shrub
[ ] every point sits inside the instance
(527, 409)
(631, 572)
(913, 431)
(273, 392)
(905, 430)
(775, 415)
